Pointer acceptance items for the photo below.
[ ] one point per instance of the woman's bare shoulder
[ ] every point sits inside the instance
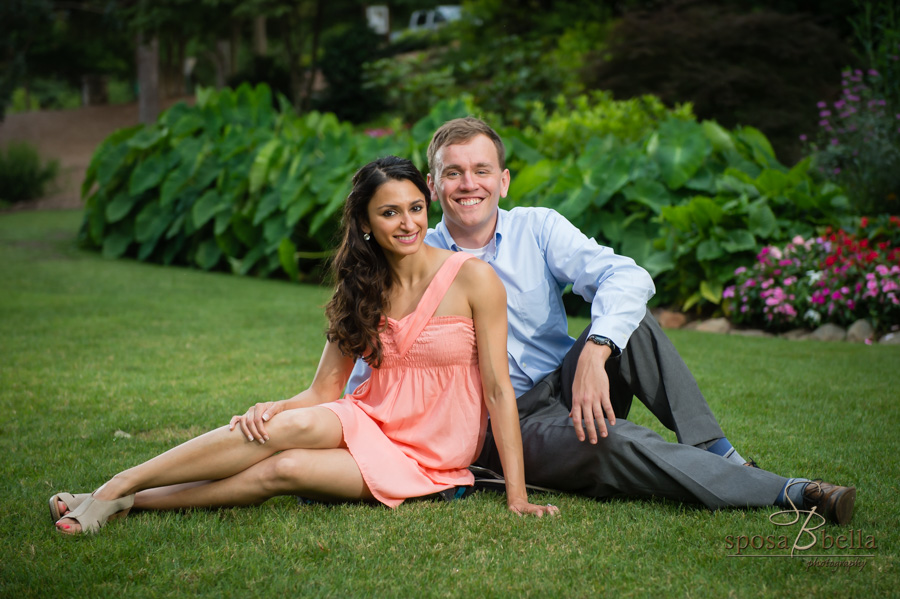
(480, 276)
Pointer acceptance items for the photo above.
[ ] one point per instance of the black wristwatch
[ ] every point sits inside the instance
(601, 340)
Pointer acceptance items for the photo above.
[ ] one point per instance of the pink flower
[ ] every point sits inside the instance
(729, 291)
(740, 270)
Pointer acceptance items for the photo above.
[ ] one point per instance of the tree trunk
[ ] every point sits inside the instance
(260, 40)
(313, 56)
(148, 79)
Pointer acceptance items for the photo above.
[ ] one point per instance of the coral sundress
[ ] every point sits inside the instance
(417, 424)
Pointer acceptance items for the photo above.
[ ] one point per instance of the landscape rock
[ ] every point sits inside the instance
(890, 339)
(859, 331)
(829, 332)
(751, 333)
(669, 319)
(796, 334)
(715, 325)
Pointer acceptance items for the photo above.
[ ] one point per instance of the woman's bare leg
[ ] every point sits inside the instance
(314, 473)
(222, 453)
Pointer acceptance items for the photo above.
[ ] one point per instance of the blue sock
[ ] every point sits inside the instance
(794, 488)
(724, 448)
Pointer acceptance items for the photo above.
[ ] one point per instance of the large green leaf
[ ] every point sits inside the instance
(759, 145)
(148, 173)
(147, 137)
(739, 240)
(116, 242)
(261, 162)
(174, 183)
(680, 150)
(532, 178)
(658, 262)
(286, 255)
(267, 205)
(709, 249)
(151, 222)
(111, 162)
(717, 135)
(650, 193)
(611, 174)
(208, 206)
(711, 291)
(761, 220)
(120, 206)
(208, 254)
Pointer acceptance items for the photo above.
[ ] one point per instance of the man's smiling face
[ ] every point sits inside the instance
(468, 182)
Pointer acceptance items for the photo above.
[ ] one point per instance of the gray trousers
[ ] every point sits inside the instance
(634, 461)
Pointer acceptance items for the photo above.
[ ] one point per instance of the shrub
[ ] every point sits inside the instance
(234, 183)
(23, 175)
(736, 67)
(344, 50)
(837, 277)
(688, 201)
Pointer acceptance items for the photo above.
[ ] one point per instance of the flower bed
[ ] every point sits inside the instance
(837, 278)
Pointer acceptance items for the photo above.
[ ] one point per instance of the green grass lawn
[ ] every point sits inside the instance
(90, 347)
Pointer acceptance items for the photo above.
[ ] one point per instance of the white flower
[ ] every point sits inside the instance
(814, 275)
(812, 316)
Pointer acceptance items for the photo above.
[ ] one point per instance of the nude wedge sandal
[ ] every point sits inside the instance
(72, 502)
(93, 514)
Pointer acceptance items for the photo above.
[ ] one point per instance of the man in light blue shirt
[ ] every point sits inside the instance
(567, 390)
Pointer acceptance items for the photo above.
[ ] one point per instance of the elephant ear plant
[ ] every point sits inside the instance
(232, 182)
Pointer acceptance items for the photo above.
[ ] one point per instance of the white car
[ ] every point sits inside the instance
(430, 19)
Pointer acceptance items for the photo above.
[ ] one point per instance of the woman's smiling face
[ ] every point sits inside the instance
(398, 217)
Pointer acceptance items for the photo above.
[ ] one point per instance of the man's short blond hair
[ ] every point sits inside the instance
(460, 131)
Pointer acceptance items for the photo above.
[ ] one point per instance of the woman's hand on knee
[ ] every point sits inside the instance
(253, 423)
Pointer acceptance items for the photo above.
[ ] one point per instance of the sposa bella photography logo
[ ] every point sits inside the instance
(820, 549)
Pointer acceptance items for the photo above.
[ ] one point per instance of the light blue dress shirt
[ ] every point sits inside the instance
(536, 252)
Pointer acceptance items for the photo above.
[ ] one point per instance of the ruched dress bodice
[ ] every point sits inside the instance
(417, 424)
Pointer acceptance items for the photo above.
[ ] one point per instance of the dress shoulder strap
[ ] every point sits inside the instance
(431, 299)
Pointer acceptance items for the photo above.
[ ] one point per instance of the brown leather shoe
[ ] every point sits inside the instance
(833, 502)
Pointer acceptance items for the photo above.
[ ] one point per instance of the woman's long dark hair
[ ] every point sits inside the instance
(361, 272)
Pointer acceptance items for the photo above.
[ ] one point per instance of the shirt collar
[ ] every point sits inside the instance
(499, 231)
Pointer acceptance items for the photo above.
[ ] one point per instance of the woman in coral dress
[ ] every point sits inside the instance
(432, 323)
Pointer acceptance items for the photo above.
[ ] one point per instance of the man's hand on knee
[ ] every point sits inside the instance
(590, 394)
